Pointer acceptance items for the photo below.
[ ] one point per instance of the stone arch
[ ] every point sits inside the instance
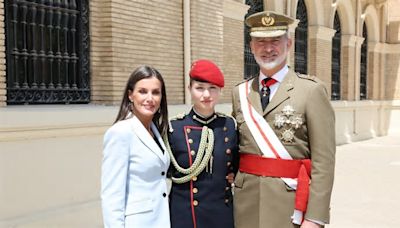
(275, 5)
(371, 19)
(315, 14)
(346, 15)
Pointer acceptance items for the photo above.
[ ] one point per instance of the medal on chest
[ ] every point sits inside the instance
(288, 120)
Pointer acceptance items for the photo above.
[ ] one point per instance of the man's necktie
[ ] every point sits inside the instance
(265, 91)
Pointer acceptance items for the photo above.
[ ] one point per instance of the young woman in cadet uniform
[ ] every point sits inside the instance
(203, 149)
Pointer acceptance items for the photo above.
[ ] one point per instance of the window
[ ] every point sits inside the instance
(363, 66)
(47, 46)
(336, 53)
(301, 36)
(251, 67)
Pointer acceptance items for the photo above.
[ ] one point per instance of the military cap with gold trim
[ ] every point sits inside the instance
(268, 24)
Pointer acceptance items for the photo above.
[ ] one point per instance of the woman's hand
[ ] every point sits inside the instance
(230, 177)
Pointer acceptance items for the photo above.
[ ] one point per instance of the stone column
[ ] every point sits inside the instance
(292, 34)
(357, 55)
(320, 53)
(382, 72)
(347, 67)
(374, 77)
(350, 70)
(392, 72)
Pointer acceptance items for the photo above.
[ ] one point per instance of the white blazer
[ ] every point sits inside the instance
(133, 181)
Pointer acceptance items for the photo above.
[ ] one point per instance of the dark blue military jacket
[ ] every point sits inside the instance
(205, 201)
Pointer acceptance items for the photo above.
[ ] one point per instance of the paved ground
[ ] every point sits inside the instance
(366, 191)
(367, 187)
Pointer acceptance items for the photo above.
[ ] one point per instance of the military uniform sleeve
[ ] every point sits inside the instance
(171, 168)
(320, 120)
(235, 101)
(235, 155)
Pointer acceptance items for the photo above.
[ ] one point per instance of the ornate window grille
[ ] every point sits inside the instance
(336, 53)
(47, 46)
(250, 65)
(363, 66)
(301, 39)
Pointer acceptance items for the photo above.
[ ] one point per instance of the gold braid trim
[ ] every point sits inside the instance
(200, 162)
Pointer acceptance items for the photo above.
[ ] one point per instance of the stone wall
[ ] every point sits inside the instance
(206, 26)
(233, 60)
(129, 33)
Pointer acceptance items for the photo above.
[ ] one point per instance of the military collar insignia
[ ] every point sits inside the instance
(203, 121)
(288, 120)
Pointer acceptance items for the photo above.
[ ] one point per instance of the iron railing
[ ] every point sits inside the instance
(47, 46)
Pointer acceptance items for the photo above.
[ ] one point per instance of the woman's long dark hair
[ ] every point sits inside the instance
(160, 118)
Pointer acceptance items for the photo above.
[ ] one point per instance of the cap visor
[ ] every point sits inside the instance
(273, 33)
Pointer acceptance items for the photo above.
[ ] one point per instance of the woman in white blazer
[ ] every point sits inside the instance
(135, 162)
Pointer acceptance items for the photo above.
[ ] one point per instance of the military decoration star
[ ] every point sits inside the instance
(287, 135)
(279, 120)
(288, 110)
(296, 121)
(288, 120)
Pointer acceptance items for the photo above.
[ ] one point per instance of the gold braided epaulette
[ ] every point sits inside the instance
(308, 77)
(180, 116)
(245, 80)
(220, 114)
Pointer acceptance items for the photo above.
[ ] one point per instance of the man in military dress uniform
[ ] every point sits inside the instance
(203, 149)
(286, 137)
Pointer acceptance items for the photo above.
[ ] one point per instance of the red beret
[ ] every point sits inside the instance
(206, 71)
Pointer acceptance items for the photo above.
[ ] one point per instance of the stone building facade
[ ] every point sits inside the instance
(50, 154)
